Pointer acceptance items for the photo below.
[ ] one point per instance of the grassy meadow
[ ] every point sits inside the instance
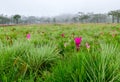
(50, 55)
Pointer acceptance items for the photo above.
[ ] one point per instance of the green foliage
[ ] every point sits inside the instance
(49, 57)
(20, 58)
(103, 66)
(70, 70)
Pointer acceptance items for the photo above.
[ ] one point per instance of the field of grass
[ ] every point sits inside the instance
(49, 54)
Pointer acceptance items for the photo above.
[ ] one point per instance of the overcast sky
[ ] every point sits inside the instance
(56, 7)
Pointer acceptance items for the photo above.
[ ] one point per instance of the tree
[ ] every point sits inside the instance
(74, 19)
(54, 20)
(79, 16)
(16, 18)
(112, 13)
(117, 14)
(83, 17)
(4, 20)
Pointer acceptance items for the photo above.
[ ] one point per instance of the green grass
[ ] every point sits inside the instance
(49, 57)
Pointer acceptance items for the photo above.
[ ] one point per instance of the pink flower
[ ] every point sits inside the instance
(87, 45)
(63, 35)
(28, 36)
(78, 42)
(113, 35)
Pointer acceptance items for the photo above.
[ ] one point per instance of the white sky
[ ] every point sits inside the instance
(56, 7)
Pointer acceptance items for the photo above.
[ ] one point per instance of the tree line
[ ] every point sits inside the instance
(80, 17)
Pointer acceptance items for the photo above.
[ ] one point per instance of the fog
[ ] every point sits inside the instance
(56, 7)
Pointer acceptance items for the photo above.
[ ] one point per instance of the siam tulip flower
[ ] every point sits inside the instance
(87, 46)
(78, 42)
(113, 35)
(63, 35)
(114, 31)
(102, 33)
(65, 45)
(28, 36)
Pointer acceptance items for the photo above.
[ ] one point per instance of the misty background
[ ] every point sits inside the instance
(59, 11)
